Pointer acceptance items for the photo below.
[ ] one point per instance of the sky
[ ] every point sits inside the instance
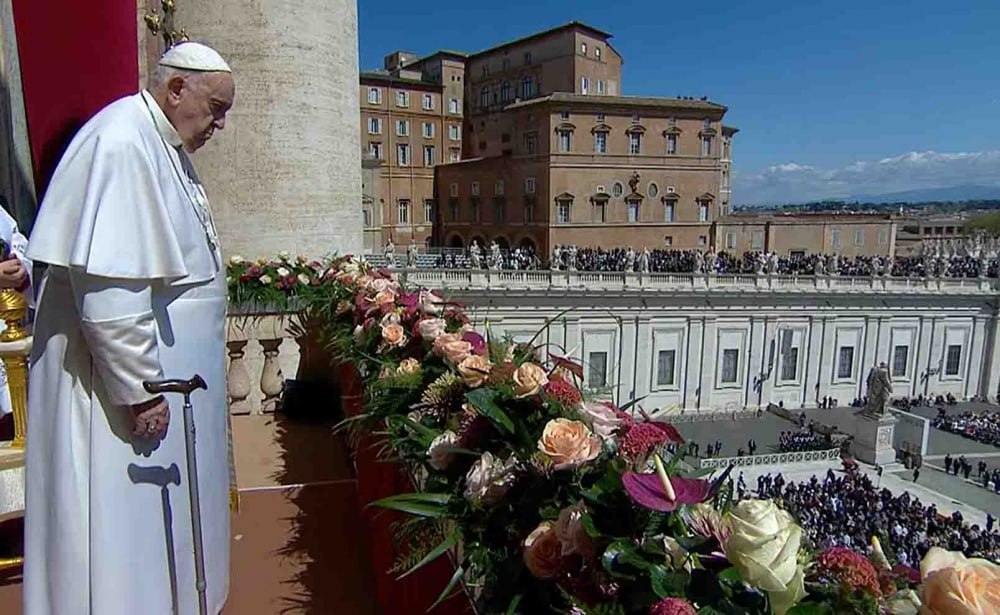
(832, 99)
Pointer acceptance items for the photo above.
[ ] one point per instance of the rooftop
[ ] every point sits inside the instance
(745, 216)
(571, 25)
(626, 101)
(389, 77)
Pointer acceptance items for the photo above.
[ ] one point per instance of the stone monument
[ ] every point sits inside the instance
(874, 426)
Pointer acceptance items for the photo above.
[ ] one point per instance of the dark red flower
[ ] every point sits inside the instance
(647, 490)
(477, 341)
(644, 437)
(563, 392)
(672, 606)
(852, 570)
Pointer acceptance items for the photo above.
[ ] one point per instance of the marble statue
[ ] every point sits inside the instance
(475, 255)
(556, 258)
(390, 254)
(411, 256)
(879, 389)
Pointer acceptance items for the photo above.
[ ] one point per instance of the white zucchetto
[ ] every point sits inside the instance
(196, 57)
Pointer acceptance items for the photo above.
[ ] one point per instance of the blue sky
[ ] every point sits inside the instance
(832, 99)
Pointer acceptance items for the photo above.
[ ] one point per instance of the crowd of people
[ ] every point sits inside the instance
(803, 440)
(980, 426)
(847, 510)
(960, 466)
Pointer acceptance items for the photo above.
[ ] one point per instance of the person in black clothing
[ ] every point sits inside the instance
(947, 463)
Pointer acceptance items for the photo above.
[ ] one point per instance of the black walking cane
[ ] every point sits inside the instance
(186, 387)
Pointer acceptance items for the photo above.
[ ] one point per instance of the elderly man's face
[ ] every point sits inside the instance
(198, 106)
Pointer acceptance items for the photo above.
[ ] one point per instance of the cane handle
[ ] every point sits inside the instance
(184, 387)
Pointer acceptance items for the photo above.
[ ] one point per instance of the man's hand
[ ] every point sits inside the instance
(150, 419)
(12, 274)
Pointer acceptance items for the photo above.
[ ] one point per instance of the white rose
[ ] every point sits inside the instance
(284, 255)
(283, 272)
(764, 547)
(236, 259)
(382, 284)
(358, 331)
(489, 479)
(440, 456)
(265, 279)
(602, 419)
(303, 279)
(352, 267)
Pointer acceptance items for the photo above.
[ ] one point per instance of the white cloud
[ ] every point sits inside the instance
(795, 183)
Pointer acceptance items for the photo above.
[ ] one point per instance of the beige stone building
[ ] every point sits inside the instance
(554, 154)
(411, 121)
(828, 233)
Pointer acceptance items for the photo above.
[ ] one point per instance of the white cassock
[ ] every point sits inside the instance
(134, 291)
(18, 244)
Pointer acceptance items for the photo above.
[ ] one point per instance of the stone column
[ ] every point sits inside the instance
(974, 370)
(285, 174)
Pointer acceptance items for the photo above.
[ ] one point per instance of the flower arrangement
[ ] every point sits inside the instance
(560, 502)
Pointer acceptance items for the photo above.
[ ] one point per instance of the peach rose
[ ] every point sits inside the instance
(474, 370)
(384, 297)
(569, 444)
(394, 335)
(569, 528)
(408, 366)
(956, 585)
(452, 347)
(543, 552)
(529, 378)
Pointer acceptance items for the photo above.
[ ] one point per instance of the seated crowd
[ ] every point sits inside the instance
(846, 511)
(981, 426)
(803, 440)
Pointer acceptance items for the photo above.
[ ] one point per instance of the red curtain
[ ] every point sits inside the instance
(76, 57)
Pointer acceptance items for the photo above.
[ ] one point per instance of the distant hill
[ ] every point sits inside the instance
(924, 195)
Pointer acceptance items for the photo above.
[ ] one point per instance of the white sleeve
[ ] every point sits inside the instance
(116, 317)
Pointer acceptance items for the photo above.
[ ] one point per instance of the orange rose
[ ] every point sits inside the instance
(956, 585)
(394, 335)
(569, 444)
(529, 378)
(452, 347)
(474, 370)
(384, 297)
(543, 552)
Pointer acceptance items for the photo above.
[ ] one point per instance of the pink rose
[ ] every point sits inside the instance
(672, 606)
(572, 535)
(602, 419)
(542, 552)
(489, 479)
(569, 444)
(452, 348)
(431, 328)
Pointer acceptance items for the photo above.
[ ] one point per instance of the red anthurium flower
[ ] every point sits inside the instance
(477, 341)
(567, 364)
(647, 490)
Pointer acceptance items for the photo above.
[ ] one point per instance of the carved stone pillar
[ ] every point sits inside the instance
(237, 378)
(271, 378)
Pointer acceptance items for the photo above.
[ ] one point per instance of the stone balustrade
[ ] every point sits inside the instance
(261, 354)
(542, 280)
(769, 459)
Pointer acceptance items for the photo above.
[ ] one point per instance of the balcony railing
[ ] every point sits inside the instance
(769, 459)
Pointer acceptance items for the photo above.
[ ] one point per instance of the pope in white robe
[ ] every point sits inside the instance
(134, 291)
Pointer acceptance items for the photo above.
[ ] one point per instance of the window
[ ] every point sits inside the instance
(730, 365)
(789, 356)
(506, 64)
(859, 237)
(374, 126)
(730, 241)
(529, 212)
(883, 236)
(835, 237)
(900, 360)
(597, 52)
(597, 375)
(453, 132)
(403, 155)
(403, 211)
(953, 360)
(454, 209)
(402, 99)
(453, 190)
(600, 211)
(428, 211)
(652, 190)
(706, 146)
(671, 145)
(454, 154)
(757, 240)
(563, 211)
(601, 89)
(669, 207)
(665, 363)
(635, 143)
(530, 143)
(505, 91)
(584, 85)
(484, 97)
(475, 211)
(702, 211)
(565, 140)
(845, 363)
(498, 188)
(600, 142)
(366, 216)
(428, 130)
(564, 115)
(453, 106)
(527, 57)
(529, 185)
(498, 210)
(725, 179)
(633, 211)
(702, 240)
(474, 189)
(668, 240)
(527, 87)
(375, 150)
(374, 96)
(617, 190)
(427, 102)
(429, 156)
(583, 49)
(402, 128)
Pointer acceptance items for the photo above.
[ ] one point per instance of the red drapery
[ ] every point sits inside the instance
(75, 57)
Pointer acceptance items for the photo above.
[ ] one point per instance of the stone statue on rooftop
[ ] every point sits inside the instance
(475, 255)
(572, 258)
(630, 260)
(556, 258)
(496, 258)
(390, 253)
(411, 255)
